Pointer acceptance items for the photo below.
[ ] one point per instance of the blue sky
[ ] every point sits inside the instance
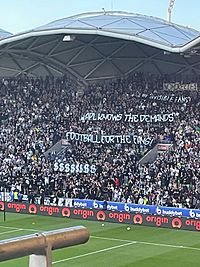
(21, 15)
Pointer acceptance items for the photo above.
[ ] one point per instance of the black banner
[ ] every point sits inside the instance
(129, 117)
(109, 139)
(103, 215)
(73, 168)
(176, 86)
(172, 98)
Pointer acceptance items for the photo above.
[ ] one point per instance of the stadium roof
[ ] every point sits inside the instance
(4, 34)
(101, 45)
(143, 28)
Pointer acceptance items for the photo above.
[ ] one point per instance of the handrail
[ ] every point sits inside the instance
(42, 243)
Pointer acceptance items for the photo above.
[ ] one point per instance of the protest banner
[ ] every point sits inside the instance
(177, 86)
(129, 117)
(172, 98)
(109, 139)
(73, 168)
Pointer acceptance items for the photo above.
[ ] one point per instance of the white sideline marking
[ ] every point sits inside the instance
(146, 243)
(94, 252)
(123, 245)
(21, 229)
(11, 231)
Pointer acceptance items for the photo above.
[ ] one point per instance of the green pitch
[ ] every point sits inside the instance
(110, 245)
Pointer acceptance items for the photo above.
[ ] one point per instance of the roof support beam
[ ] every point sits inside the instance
(9, 69)
(95, 68)
(43, 44)
(156, 66)
(54, 48)
(64, 51)
(139, 65)
(24, 71)
(15, 61)
(105, 59)
(47, 70)
(49, 61)
(80, 51)
(116, 67)
(169, 62)
(88, 62)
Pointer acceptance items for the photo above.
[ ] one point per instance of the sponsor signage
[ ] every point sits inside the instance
(10, 197)
(164, 147)
(146, 209)
(104, 216)
(6, 196)
(117, 206)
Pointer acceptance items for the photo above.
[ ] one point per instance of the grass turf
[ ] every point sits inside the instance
(111, 245)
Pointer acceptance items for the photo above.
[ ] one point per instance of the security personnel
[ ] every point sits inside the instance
(145, 200)
(15, 196)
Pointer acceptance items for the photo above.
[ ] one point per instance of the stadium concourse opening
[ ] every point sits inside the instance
(103, 90)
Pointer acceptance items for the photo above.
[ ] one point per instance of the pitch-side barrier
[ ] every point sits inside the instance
(39, 246)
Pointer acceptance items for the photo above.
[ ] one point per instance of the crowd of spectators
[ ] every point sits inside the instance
(37, 113)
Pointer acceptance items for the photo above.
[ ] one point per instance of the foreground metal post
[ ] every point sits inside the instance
(39, 246)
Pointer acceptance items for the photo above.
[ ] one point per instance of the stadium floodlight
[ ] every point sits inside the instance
(68, 38)
(169, 10)
(39, 246)
(104, 11)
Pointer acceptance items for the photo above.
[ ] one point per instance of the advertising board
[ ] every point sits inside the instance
(172, 222)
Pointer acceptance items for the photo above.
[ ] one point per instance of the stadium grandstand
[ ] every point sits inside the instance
(85, 102)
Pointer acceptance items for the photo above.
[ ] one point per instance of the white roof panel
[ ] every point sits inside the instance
(153, 29)
(4, 34)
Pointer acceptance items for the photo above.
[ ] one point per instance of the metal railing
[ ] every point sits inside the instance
(39, 246)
